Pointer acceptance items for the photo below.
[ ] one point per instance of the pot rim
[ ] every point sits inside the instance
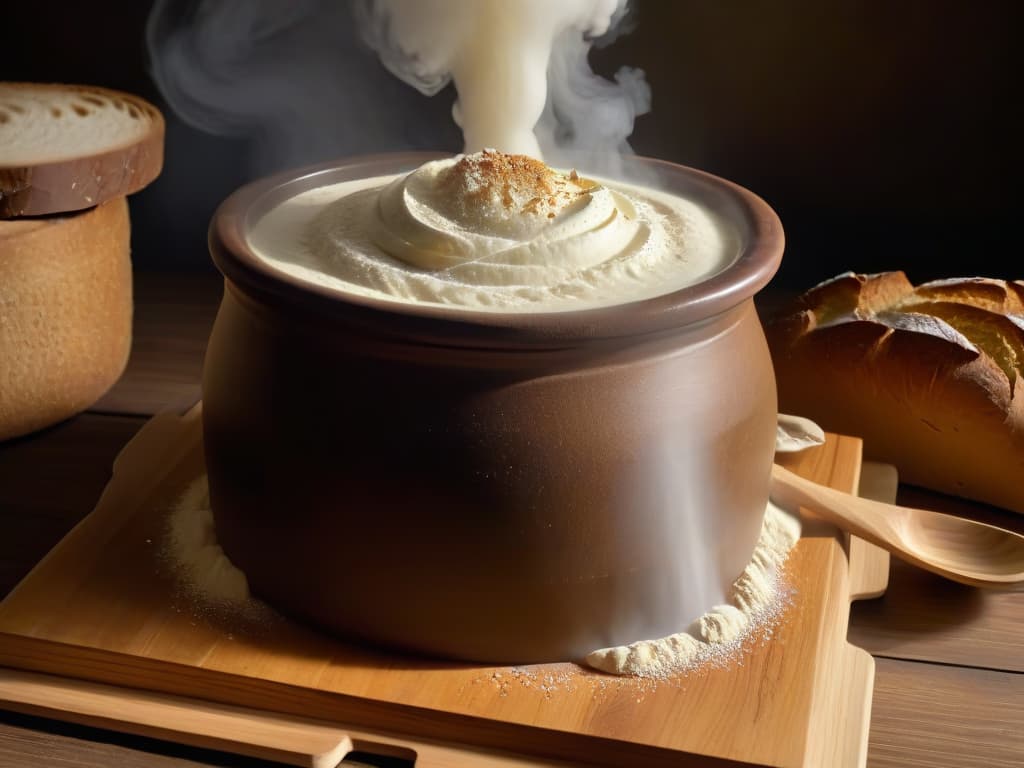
(761, 246)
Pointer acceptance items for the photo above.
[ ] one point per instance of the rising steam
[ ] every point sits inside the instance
(298, 79)
(292, 77)
(517, 67)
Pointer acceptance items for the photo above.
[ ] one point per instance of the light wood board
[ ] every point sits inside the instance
(103, 607)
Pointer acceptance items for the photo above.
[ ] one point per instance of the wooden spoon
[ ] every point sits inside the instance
(959, 549)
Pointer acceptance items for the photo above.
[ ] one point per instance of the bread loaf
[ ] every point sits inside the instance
(65, 314)
(930, 377)
(69, 153)
(68, 147)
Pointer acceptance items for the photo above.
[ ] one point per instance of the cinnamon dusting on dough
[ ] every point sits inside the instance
(519, 183)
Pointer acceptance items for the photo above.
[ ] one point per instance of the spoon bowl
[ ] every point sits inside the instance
(956, 543)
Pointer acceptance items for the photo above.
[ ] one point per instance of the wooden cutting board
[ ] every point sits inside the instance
(103, 607)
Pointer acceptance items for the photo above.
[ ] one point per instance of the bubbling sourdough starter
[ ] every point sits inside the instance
(496, 232)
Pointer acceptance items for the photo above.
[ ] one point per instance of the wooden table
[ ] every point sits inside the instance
(949, 688)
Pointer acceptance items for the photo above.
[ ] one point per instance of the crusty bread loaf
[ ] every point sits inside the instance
(67, 147)
(65, 314)
(930, 377)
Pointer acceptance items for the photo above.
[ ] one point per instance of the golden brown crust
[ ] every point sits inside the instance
(33, 189)
(994, 295)
(851, 294)
(928, 377)
(65, 314)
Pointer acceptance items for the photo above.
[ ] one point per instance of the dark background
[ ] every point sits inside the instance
(885, 133)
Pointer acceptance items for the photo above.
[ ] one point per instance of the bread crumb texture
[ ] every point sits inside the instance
(44, 123)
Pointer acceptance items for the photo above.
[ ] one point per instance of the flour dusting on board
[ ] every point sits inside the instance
(212, 584)
(754, 602)
(205, 575)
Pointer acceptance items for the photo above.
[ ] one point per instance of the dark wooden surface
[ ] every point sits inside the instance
(949, 688)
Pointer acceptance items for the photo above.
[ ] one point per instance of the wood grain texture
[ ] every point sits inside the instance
(926, 618)
(924, 716)
(923, 617)
(48, 482)
(843, 666)
(210, 726)
(28, 741)
(246, 732)
(113, 618)
(933, 716)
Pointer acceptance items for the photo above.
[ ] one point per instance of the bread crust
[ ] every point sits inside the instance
(84, 181)
(65, 314)
(928, 377)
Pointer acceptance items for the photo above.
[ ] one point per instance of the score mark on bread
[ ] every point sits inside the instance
(928, 376)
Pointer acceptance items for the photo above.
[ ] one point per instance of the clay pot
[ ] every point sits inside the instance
(504, 488)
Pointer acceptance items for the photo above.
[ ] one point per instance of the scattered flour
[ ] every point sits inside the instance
(212, 583)
(753, 602)
(204, 573)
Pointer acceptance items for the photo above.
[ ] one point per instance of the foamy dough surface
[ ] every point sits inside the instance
(460, 240)
(753, 600)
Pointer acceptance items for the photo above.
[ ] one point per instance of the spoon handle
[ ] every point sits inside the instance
(858, 516)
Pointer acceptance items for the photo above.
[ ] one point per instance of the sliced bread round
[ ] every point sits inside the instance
(69, 147)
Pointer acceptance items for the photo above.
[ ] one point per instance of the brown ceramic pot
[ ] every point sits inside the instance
(492, 487)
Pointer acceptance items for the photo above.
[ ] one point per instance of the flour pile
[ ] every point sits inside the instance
(753, 601)
(204, 573)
